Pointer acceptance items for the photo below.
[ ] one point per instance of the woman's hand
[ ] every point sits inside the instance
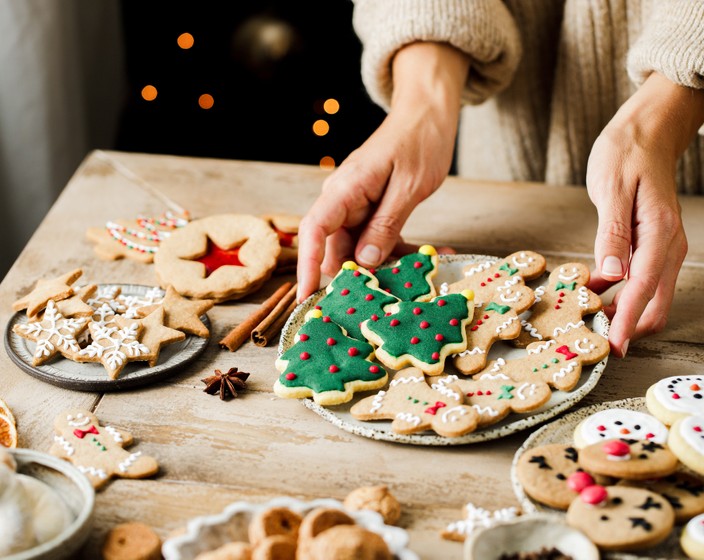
(366, 201)
(631, 180)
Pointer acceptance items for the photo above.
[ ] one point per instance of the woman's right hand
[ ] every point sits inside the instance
(366, 201)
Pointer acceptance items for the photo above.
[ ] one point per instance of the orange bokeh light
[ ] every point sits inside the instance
(321, 127)
(206, 101)
(149, 93)
(331, 106)
(185, 41)
(326, 162)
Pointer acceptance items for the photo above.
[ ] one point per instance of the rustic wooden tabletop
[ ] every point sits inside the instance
(258, 446)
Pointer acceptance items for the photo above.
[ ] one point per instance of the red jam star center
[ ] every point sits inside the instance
(215, 257)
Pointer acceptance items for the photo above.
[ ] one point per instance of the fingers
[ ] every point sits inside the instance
(612, 246)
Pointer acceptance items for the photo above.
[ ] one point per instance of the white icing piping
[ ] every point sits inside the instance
(406, 380)
(479, 268)
(569, 368)
(582, 350)
(408, 417)
(522, 264)
(472, 352)
(444, 288)
(522, 388)
(539, 293)
(531, 330)
(583, 297)
(100, 473)
(566, 328)
(541, 347)
(114, 433)
(67, 447)
(453, 414)
(377, 401)
(127, 463)
(485, 410)
(506, 325)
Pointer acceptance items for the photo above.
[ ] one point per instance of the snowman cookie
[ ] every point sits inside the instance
(684, 491)
(692, 539)
(619, 423)
(675, 397)
(629, 459)
(97, 451)
(687, 441)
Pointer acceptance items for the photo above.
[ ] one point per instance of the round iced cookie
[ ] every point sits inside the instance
(684, 491)
(621, 518)
(619, 423)
(630, 459)
(692, 539)
(675, 397)
(687, 441)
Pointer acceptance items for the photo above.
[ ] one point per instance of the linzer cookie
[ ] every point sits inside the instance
(326, 364)
(411, 277)
(560, 305)
(219, 257)
(415, 407)
(619, 423)
(675, 397)
(687, 441)
(684, 492)
(286, 227)
(629, 459)
(421, 333)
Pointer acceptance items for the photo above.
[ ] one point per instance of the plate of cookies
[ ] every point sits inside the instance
(630, 475)
(104, 337)
(445, 349)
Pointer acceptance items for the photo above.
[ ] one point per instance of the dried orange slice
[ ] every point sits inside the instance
(5, 411)
(8, 431)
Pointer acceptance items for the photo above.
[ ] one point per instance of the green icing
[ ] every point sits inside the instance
(397, 339)
(359, 286)
(407, 272)
(314, 372)
(507, 268)
(506, 392)
(502, 309)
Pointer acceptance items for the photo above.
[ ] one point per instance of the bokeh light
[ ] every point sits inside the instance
(185, 41)
(321, 127)
(206, 101)
(331, 106)
(149, 93)
(326, 162)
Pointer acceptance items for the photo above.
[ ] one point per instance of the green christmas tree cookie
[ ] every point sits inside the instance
(410, 278)
(354, 296)
(326, 364)
(420, 333)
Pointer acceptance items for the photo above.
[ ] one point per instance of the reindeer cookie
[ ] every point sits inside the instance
(97, 451)
(492, 321)
(560, 305)
(628, 458)
(557, 362)
(485, 279)
(415, 407)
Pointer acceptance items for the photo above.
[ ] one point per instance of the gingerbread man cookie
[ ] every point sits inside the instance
(97, 451)
(557, 362)
(411, 277)
(415, 407)
(675, 397)
(560, 305)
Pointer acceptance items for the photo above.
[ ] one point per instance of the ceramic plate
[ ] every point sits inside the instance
(561, 431)
(212, 531)
(93, 376)
(451, 271)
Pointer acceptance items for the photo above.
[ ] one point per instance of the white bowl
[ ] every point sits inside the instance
(73, 488)
(212, 531)
(529, 533)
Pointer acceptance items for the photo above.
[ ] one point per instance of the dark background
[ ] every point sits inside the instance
(269, 66)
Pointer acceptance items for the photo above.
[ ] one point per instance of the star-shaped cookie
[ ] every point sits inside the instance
(155, 334)
(56, 289)
(76, 305)
(182, 313)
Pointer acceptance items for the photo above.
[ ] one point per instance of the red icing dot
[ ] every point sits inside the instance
(372, 270)
(357, 273)
(649, 435)
(439, 337)
(326, 319)
(344, 291)
(395, 270)
(303, 337)
(579, 480)
(424, 324)
(593, 495)
(374, 317)
(485, 317)
(291, 376)
(408, 285)
(317, 307)
(489, 279)
(488, 393)
(331, 341)
(333, 369)
(557, 307)
(601, 428)
(351, 310)
(417, 264)
(442, 302)
(474, 328)
(374, 369)
(480, 322)
(415, 340)
(616, 447)
(470, 394)
(675, 396)
(496, 275)
(387, 290)
(482, 284)
(697, 428)
(559, 300)
(417, 311)
(394, 322)
(387, 313)
(369, 297)
(454, 322)
(353, 351)
(435, 356)
(479, 393)
(561, 294)
(305, 355)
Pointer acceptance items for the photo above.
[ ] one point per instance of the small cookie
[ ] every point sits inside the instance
(411, 277)
(76, 306)
(155, 335)
(421, 333)
(629, 459)
(348, 542)
(354, 296)
(181, 313)
(476, 518)
(684, 492)
(327, 365)
(375, 498)
(692, 540)
(286, 227)
(97, 451)
(317, 521)
(560, 305)
(621, 518)
(675, 397)
(277, 547)
(274, 521)
(619, 423)
(558, 362)
(219, 257)
(687, 441)
(229, 551)
(415, 407)
(45, 290)
(132, 541)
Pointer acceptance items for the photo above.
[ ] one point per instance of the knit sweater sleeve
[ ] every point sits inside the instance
(484, 29)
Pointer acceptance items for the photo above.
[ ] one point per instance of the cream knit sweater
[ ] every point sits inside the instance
(546, 75)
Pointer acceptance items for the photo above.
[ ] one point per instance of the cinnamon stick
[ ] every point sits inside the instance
(236, 337)
(272, 323)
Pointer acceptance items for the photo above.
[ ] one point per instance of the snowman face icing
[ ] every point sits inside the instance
(692, 431)
(695, 528)
(622, 423)
(681, 393)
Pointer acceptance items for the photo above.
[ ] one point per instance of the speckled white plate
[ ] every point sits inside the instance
(562, 431)
(450, 270)
(212, 531)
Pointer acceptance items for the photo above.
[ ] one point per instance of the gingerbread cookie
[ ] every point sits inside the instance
(558, 362)
(316, 522)
(675, 397)
(619, 423)
(692, 540)
(354, 296)
(686, 441)
(629, 459)
(348, 542)
(411, 277)
(493, 321)
(286, 227)
(181, 313)
(276, 521)
(156, 335)
(76, 305)
(55, 289)
(220, 257)
(620, 518)
(133, 540)
(375, 498)
(560, 305)
(415, 407)
(327, 365)
(97, 451)
(684, 492)
(421, 333)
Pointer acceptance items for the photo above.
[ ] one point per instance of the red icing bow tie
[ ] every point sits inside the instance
(80, 434)
(434, 409)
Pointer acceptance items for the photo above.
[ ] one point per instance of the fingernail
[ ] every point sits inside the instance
(624, 348)
(370, 255)
(612, 267)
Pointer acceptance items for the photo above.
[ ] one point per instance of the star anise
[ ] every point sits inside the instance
(225, 383)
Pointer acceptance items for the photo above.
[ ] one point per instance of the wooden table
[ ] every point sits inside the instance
(259, 446)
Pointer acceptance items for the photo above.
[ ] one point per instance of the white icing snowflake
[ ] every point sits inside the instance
(54, 332)
(478, 518)
(113, 346)
(132, 303)
(107, 295)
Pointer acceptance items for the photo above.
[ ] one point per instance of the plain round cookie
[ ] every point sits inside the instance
(619, 423)
(692, 540)
(348, 542)
(675, 397)
(132, 541)
(375, 498)
(687, 442)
